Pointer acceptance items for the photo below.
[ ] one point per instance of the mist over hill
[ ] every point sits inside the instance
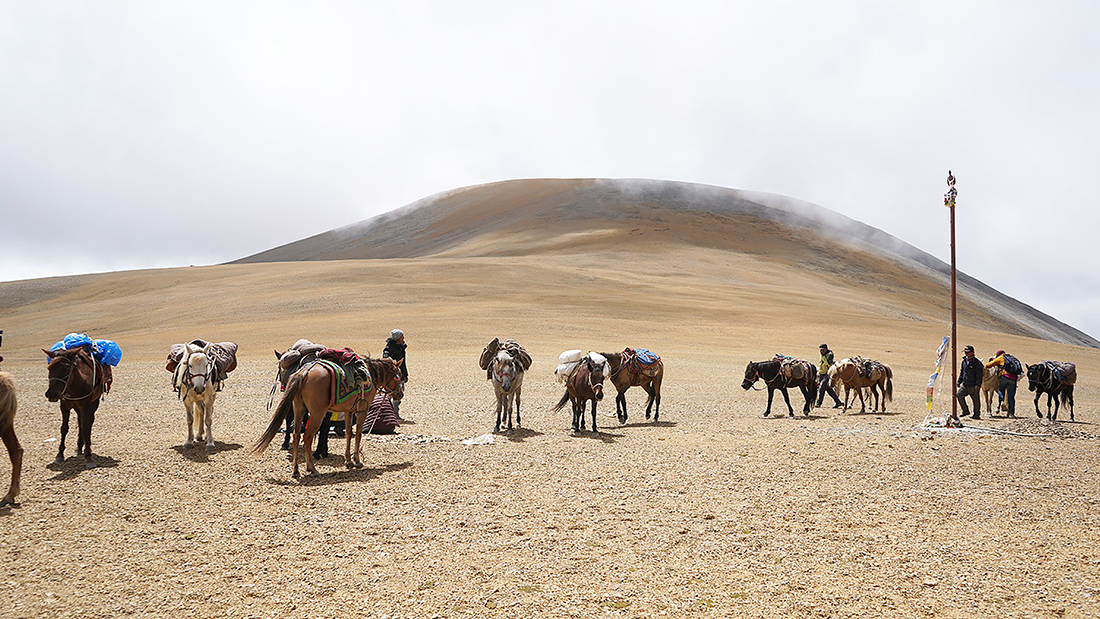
(646, 218)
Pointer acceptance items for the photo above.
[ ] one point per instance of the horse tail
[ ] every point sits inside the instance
(889, 389)
(286, 407)
(561, 403)
(1067, 395)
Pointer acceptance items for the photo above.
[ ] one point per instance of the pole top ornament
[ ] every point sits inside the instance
(949, 197)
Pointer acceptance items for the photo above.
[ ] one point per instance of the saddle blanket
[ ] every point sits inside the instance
(642, 361)
(224, 353)
(344, 387)
(509, 346)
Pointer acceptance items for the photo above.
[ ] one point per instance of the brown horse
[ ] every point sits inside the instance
(7, 431)
(77, 381)
(310, 391)
(858, 373)
(625, 374)
(584, 384)
(991, 380)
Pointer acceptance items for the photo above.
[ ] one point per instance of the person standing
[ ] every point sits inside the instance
(1011, 369)
(823, 384)
(395, 349)
(970, 382)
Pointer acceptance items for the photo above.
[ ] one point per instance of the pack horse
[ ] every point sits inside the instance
(780, 373)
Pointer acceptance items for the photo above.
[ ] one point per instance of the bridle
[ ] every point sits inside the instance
(68, 377)
(186, 375)
(767, 381)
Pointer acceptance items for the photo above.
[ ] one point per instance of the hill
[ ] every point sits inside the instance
(645, 219)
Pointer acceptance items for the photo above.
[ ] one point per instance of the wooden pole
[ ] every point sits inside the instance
(949, 201)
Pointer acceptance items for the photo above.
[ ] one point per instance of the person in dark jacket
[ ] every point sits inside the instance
(395, 349)
(970, 382)
(823, 384)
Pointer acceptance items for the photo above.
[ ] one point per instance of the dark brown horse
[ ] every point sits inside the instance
(8, 405)
(625, 373)
(584, 384)
(310, 391)
(1056, 379)
(77, 381)
(771, 372)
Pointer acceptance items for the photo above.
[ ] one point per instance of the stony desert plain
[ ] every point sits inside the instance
(714, 511)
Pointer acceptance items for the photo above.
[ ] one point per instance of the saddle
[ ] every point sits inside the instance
(509, 346)
(347, 381)
(1063, 370)
(224, 354)
(642, 362)
(795, 369)
(353, 368)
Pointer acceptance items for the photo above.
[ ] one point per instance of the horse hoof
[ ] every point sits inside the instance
(59, 460)
(285, 447)
(296, 475)
(358, 465)
(188, 445)
(90, 465)
(209, 447)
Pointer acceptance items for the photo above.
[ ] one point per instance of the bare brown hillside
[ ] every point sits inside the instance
(638, 221)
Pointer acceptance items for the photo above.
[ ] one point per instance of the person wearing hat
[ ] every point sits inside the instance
(970, 382)
(395, 349)
(823, 385)
(1010, 373)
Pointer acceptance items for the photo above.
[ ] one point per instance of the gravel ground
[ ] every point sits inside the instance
(713, 511)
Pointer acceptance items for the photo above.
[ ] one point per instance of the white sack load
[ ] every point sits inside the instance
(570, 356)
(601, 360)
(565, 370)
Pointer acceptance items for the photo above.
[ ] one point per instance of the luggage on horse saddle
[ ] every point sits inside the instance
(303, 350)
(105, 352)
(509, 346)
(642, 361)
(794, 369)
(1064, 370)
(355, 369)
(224, 354)
(570, 359)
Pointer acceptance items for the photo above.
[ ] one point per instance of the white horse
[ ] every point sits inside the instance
(196, 382)
(507, 376)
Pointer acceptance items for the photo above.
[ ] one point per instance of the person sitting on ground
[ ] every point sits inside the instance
(380, 417)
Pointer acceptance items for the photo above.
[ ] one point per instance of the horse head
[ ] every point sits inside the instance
(196, 369)
(751, 374)
(1034, 376)
(64, 366)
(504, 370)
(388, 377)
(595, 377)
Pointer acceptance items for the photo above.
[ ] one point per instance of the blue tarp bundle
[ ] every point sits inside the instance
(106, 352)
(646, 357)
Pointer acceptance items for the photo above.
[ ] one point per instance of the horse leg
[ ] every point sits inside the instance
(656, 398)
(298, 413)
(787, 399)
(360, 418)
(500, 408)
(15, 453)
(1067, 400)
(349, 418)
(288, 431)
(620, 405)
(188, 406)
(507, 410)
(806, 394)
(65, 410)
(578, 419)
(87, 418)
(1038, 394)
(648, 387)
(208, 414)
(322, 435)
(1052, 396)
(594, 430)
(519, 388)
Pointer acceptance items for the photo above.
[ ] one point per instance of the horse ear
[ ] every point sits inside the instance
(278, 355)
(49, 353)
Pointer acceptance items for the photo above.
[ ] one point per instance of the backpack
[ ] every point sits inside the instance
(1012, 365)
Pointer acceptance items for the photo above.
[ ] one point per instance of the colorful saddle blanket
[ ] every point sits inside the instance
(642, 361)
(345, 385)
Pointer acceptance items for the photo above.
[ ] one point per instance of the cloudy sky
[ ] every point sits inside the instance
(151, 134)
